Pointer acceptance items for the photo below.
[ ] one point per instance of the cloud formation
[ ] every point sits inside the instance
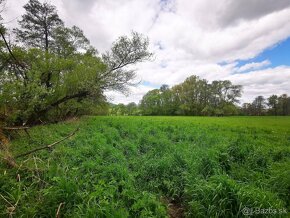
(253, 66)
(188, 37)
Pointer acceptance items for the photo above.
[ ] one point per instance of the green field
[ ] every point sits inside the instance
(151, 167)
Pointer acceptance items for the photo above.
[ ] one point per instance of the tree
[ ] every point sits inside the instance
(37, 29)
(224, 92)
(229, 109)
(276, 106)
(247, 109)
(125, 51)
(42, 83)
(41, 27)
(132, 108)
(79, 77)
(194, 96)
(207, 111)
(68, 41)
(273, 103)
(166, 100)
(284, 104)
(38, 24)
(259, 105)
(150, 103)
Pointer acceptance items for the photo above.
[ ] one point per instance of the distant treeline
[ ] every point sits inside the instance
(274, 105)
(196, 96)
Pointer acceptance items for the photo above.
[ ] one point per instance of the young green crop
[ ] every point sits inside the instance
(151, 167)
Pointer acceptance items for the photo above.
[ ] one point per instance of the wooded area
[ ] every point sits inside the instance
(51, 71)
(196, 96)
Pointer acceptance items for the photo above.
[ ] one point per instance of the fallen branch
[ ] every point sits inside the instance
(15, 128)
(48, 146)
(58, 210)
(10, 210)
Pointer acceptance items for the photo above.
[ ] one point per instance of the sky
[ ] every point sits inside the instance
(244, 41)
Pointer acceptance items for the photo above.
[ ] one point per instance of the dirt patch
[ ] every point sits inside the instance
(174, 209)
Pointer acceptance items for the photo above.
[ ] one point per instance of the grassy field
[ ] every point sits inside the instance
(151, 167)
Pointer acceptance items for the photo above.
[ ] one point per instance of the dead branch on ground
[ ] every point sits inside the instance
(48, 146)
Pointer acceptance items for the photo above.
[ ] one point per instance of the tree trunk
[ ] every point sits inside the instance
(34, 118)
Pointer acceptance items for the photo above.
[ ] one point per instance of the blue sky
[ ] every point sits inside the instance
(278, 54)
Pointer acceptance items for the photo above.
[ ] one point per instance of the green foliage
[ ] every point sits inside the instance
(121, 109)
(277, 105)
(54, 73)
(125, 51)
(68, 41)
(37, 25)
(139, 166)
(194, 96)
(31, 100)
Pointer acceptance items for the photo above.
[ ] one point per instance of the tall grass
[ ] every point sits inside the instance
(141, 166)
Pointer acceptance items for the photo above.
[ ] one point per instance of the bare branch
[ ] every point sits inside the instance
(48, 146)
(15, 128)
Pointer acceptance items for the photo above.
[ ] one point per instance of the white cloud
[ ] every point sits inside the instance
(253, 66)
(135, 95)
(263, 82)
(187, 37)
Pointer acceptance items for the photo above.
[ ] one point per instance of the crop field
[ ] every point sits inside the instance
(151, 167)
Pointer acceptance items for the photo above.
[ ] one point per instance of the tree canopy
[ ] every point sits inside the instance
(194, 96)
(274, 105)
(219, 98)
(53, 71)
(38, 24)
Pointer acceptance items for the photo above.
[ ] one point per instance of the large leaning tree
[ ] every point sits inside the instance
(55, 72)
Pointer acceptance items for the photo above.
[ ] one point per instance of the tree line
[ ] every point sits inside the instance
(274, 105)
(197, 96)
(51, 71)
(194, 96)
